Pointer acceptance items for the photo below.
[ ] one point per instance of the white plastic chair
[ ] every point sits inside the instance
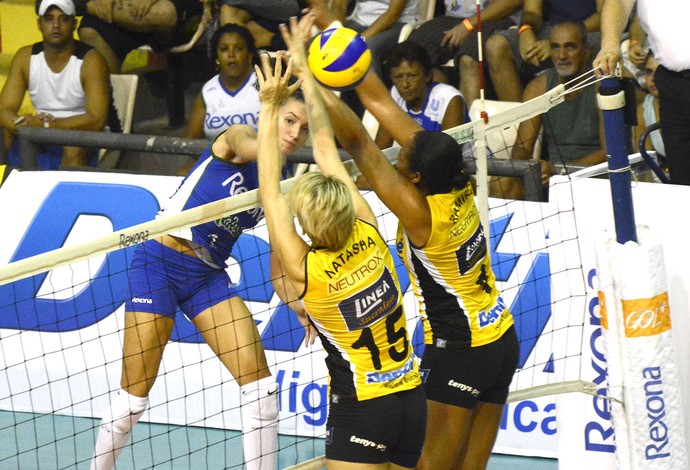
(501, 143)
(124, 95)
(426, 12)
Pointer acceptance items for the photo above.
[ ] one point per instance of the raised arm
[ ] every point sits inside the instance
(238, 144)
(374, 96)
(322, 139)
(397, 192)
(614, 18)
(285, 240)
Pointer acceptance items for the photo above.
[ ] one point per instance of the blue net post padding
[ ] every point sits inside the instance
(611, 100)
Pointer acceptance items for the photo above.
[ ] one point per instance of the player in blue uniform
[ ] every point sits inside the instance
(186, 270)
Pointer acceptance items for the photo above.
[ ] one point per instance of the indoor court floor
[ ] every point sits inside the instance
(29, 441)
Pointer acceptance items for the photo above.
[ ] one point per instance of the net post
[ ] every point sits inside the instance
(611, 100)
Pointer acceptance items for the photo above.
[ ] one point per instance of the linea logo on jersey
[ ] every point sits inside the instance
(472, 251)
(370, 304)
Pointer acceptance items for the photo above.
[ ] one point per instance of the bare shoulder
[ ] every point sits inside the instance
(22, 57)
(238, 143)
(94, 66)
(536, 87)
(93, 56)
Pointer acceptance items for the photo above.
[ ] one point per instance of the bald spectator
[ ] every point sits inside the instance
(67, 81)
(573, 132)
(518, 54)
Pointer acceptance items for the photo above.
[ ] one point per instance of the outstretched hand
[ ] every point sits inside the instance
(296, 38)
(274, 85)
(606, 61)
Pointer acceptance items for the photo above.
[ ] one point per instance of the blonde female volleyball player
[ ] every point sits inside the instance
(348, 283)
(186, 270)
(471, 349)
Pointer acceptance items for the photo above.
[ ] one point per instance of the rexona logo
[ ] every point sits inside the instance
(126, 205)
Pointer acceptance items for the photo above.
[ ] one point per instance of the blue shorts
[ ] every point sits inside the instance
(48, 158)
(464, 376)
(385, 429)
(162, 279)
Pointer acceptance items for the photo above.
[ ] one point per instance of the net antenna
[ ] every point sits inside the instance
(482, 169)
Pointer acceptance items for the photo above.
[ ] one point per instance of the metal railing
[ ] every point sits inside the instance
(31, 139)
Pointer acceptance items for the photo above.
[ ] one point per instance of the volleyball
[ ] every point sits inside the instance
(339, 58)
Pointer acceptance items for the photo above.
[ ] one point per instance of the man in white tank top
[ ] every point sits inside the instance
(67, 81)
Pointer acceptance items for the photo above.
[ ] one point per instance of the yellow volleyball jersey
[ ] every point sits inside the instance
(452, 276)
(353, 297)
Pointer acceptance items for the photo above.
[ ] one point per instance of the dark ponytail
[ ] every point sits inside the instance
(437, 157)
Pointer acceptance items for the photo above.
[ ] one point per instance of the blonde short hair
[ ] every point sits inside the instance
(323, 205)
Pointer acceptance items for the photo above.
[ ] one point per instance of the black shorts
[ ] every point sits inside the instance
(430, 33)
(123, 41)
(386, 429)
(464, 376)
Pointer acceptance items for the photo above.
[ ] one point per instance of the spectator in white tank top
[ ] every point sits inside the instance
(63, 93)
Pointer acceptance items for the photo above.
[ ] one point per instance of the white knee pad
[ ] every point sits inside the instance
(259, 402)
(125, 410)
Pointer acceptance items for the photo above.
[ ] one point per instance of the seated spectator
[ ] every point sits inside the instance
(573, 132)
(435, 106)
(518, 54)
(262, 18)
(68, 84)
(648, 109)
(634, 57)
(230, 97)
(453, 36)
(378, 21)
(115, 28)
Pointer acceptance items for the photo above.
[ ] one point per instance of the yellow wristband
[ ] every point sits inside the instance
(524, 28)
(468, 25)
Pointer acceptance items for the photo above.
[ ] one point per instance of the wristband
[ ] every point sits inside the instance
(633, 42)
(468, 25)
(524, 28)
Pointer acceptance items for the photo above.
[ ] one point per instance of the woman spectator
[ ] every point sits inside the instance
(435, 106)
(230, 97)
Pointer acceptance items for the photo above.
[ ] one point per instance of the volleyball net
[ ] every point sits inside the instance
(66, 247)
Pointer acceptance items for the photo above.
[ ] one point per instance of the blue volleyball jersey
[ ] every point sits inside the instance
(212, 179)
(430, 117)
